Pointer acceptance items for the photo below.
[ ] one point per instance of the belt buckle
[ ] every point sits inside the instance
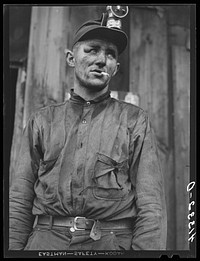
(75, 220)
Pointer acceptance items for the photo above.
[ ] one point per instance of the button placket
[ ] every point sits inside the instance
(84, 121)
(80, 155)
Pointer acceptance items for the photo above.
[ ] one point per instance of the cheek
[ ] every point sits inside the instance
(81, 65)
(112, 67)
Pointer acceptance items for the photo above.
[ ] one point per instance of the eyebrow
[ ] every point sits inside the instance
(91, 44)
(94, 43)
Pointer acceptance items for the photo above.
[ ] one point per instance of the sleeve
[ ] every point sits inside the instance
(150, 230)
(21, 194)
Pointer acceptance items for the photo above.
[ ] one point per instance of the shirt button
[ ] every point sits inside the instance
(88, 103)
(84, 121)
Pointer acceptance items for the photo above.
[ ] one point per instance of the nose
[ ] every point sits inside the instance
(101, 59)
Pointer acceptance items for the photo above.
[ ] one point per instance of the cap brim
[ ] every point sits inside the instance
(117, 37)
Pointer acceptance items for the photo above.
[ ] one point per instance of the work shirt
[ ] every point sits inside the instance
(96, 159)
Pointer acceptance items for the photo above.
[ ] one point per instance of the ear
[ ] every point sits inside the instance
(70, 57)
(116, 69)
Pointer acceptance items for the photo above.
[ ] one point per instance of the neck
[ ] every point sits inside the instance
(87, 94)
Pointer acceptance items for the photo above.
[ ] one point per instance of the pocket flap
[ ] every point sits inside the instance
(111, 162)
(105, 164)
(105, 159)
(101, 170)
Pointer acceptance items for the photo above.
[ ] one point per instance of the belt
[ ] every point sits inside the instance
(82, 223)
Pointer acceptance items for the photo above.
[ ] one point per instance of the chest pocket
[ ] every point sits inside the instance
(110, 178)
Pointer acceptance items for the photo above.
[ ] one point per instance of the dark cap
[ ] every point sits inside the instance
(95, 30)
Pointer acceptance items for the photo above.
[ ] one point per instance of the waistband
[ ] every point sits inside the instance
(81, 223)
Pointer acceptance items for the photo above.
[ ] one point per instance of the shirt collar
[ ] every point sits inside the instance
(77, 99)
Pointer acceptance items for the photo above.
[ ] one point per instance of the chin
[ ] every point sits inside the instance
(96, 87)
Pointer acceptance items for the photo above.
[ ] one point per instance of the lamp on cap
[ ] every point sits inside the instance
(108, 27)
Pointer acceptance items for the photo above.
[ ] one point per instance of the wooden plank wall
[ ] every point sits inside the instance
(179, 50)
(18, 122)
(150, 75)
(149, 79)
(159, 74)
(46, 60)
(148, 66)
(181, 83)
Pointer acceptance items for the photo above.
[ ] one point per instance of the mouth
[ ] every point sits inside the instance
(99, 72)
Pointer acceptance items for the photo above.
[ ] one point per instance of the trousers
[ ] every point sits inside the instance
(61, 238)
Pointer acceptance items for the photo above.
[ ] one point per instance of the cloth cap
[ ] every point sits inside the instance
(97, 29)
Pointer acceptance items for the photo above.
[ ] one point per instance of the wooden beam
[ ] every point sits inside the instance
(181, 82)
(46, 58)
(148, 79)
(17, 133)
(148, 66)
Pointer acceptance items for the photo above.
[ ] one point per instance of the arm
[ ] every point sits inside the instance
(22, 189)
(151, 223)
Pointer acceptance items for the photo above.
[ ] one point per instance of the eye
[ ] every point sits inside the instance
(111, 54)
(91, 50)
(94, 50)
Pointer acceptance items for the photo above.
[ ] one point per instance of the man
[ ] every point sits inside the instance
(88, 176)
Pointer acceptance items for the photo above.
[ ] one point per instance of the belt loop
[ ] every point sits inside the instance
(35, 221)
(50, 222)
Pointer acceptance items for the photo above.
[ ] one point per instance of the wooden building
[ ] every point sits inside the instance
(155, 68)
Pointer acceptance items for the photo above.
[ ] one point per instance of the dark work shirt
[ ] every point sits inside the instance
(96, 159)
